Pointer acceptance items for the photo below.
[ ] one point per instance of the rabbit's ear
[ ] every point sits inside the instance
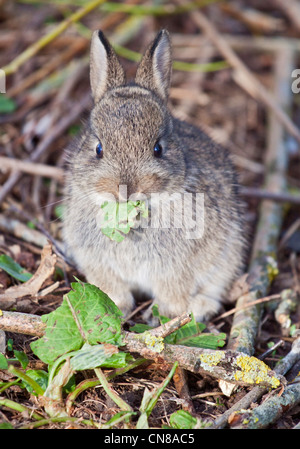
(105, 69)
(154, 71)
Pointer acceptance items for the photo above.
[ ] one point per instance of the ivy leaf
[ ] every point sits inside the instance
(86, 315)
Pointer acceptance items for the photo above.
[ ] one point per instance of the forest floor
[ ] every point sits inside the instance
(254, 116)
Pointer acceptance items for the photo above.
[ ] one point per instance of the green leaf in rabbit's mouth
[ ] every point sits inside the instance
(119, 218)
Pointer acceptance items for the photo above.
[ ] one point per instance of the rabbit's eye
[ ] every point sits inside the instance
(99, 150)
(157, 150)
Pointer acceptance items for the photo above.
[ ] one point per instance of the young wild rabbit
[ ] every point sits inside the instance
(132, 140)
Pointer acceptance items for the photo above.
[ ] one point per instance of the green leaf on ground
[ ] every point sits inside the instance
(3, 361)
(7, 105)
(86, 316)
(182, 420)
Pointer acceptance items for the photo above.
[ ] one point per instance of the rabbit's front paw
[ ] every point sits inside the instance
(203, 307)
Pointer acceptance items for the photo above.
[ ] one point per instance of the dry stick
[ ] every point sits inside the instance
(22, 231)
(244, 77)
(245, 324)
(192, 42)
(245, 306)
(254, 20)
(181, 385)
(22, 323)
(48, 171)
(291, 9)
(32, 168)
(282, 367)
(271, 409)
(281, 197)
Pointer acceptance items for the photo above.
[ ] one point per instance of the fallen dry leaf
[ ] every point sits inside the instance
(34, 284)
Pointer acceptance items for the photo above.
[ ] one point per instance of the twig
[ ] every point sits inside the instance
(257, 22)
(238, 42)
(166, 329)
(245, 306)
(22, 323)
(270, 350)
(291, 9)
(287, 235)
(31, 168)
(20, 230)
(282, 367)
(244, 77)
(280, 197)
(263, 265)
(231, 366)
(270, 410)
(285, 308)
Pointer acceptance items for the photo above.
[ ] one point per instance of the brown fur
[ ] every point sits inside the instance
(128, 119)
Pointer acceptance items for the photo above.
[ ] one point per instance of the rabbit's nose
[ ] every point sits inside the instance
(126, 190)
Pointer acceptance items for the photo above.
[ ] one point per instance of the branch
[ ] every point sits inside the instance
(281, 197)
(227, 365)
(263, 265)
(270, 410)
(32, 168)
(282, 367)
(291, 9)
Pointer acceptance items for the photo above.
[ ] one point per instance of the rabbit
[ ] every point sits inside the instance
(131, 139)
